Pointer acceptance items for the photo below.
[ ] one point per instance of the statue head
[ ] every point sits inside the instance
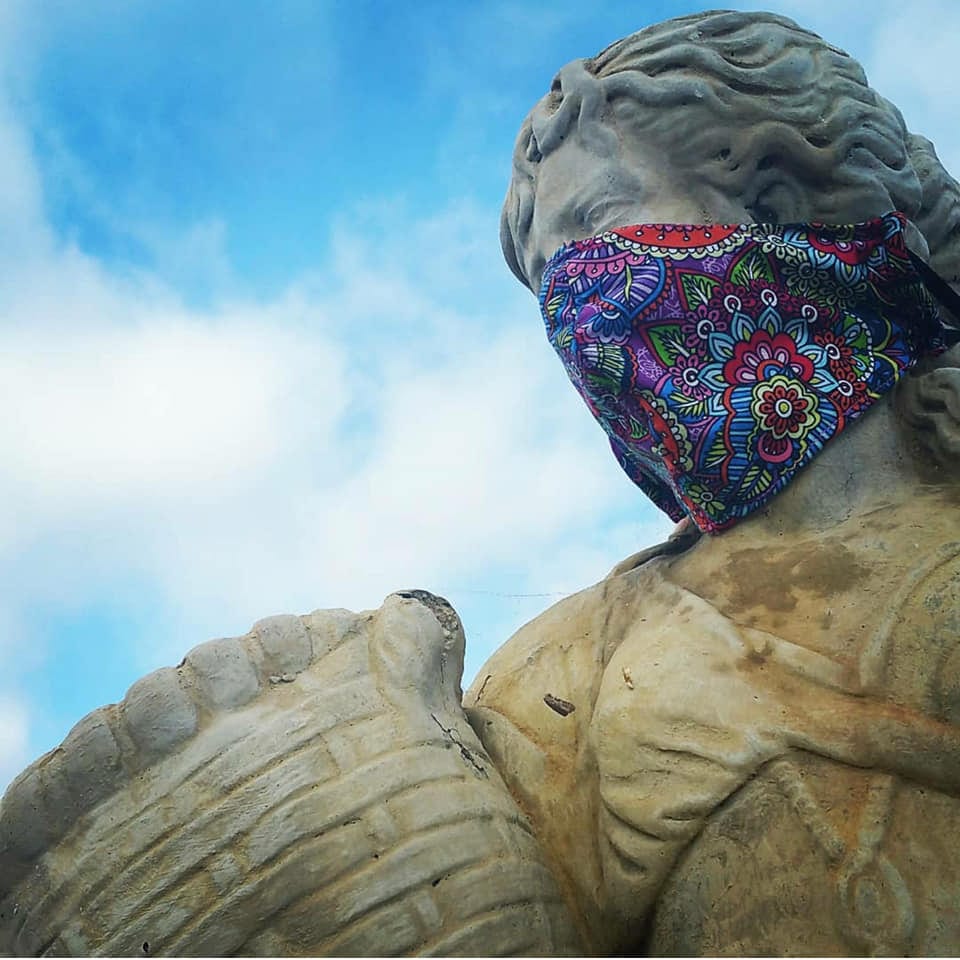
(726, 117)
(718, 117)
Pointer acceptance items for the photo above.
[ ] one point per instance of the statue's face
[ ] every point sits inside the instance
(600, 166)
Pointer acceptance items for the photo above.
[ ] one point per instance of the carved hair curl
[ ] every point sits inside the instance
(928, 403)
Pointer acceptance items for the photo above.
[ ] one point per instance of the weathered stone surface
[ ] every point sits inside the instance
(347, 808)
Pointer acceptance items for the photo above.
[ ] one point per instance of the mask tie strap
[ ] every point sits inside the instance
(943, 292)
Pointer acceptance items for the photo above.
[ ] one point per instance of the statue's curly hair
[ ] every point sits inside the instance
(928, 406)
(778, 98)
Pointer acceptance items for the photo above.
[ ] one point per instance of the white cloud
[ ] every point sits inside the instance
(203, 438)
(394, 419)
(161, 409)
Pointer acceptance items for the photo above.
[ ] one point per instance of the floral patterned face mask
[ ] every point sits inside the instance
(720, 359)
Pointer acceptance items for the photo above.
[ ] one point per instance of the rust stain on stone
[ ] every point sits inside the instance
(770, 578)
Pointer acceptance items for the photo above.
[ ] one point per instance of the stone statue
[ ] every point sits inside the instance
(783, 693)
(745, 743)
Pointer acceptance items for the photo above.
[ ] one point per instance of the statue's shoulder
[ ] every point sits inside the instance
(561, 654)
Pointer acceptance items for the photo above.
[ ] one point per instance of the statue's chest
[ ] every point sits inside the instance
(881, 598)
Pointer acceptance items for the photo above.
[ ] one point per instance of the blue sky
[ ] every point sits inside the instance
(258, 350)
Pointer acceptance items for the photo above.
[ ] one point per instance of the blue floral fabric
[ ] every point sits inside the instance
(720, 359)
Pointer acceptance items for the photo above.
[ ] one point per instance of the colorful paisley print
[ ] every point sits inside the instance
(720, 359)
